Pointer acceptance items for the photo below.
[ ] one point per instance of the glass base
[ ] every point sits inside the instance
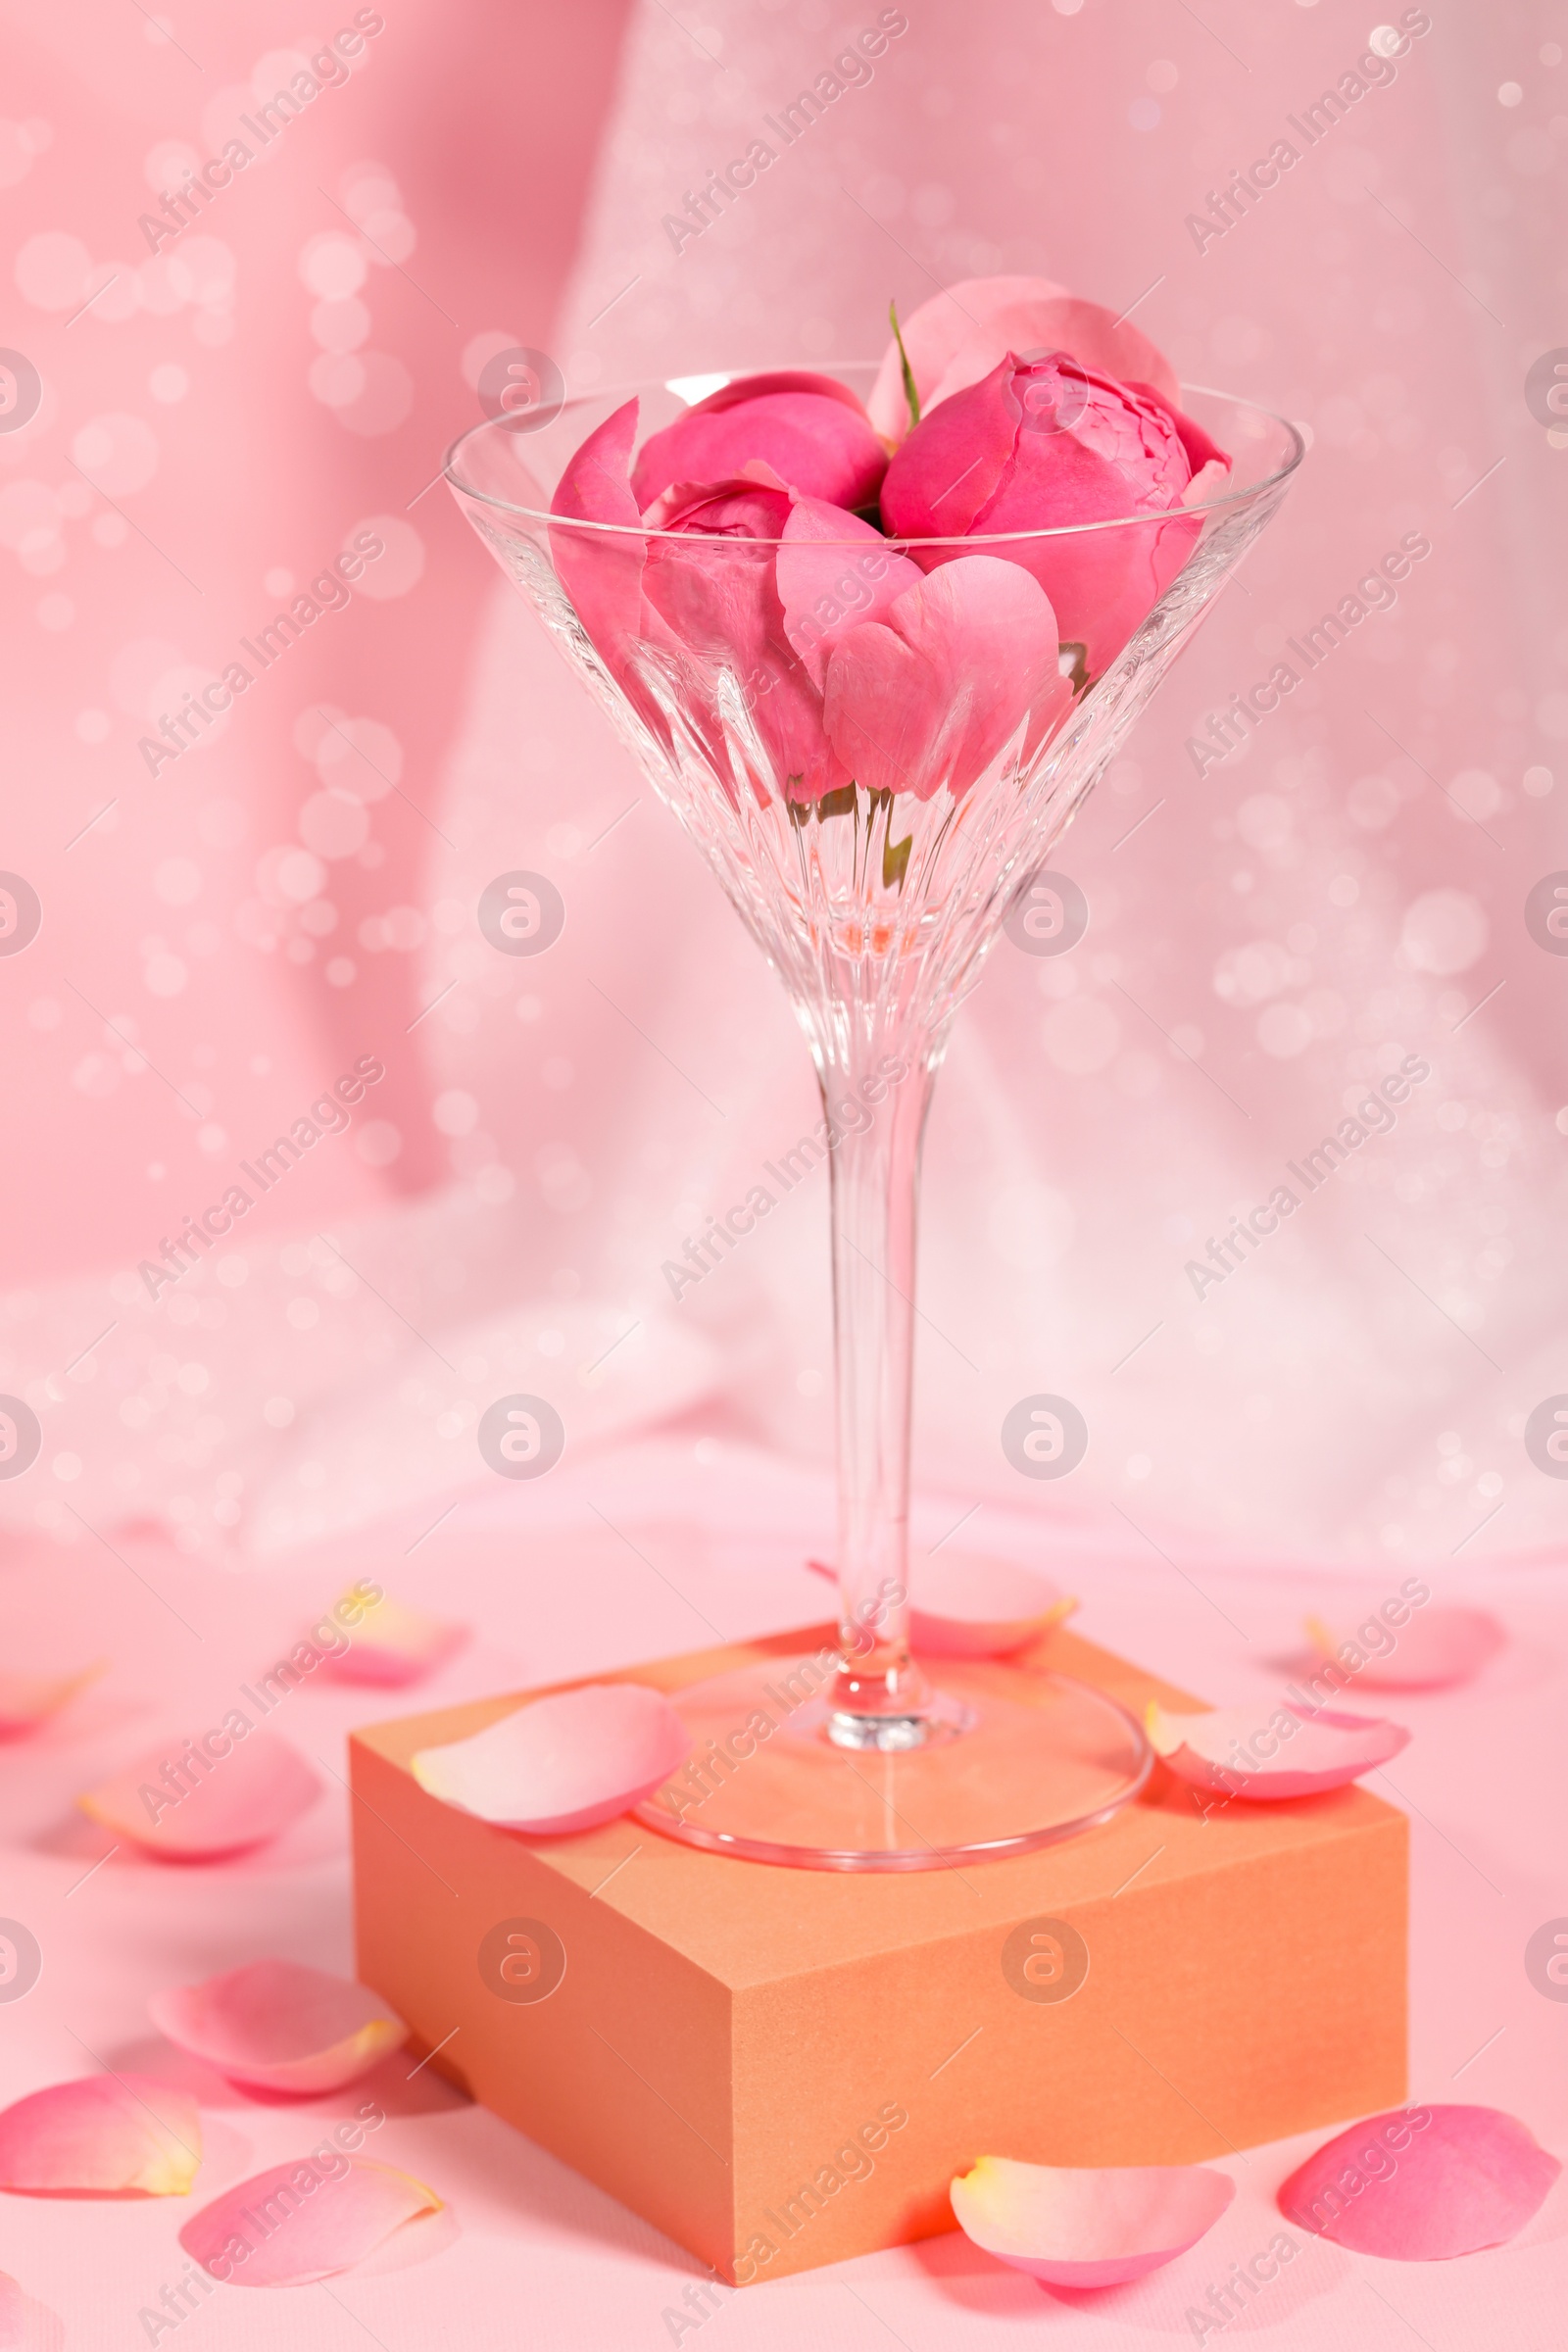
(1022, 1758)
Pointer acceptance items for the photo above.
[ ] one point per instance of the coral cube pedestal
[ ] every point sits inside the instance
(781, 2068)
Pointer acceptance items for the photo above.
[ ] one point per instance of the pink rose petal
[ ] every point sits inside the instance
(1087, 2228)
(958, 336)
(1209, 462)
(939, 485)
(826, 587)
(743, 388)
(1435, 1647)
(303, 2221)
(595, 484)
(967, 1605)
(25, 2325)
(561, 1763)
(1421, 2183)
(393, 1645)
(931, 695)
(105, 2134)
(1085, 329)
(602, 569)
(810, 429)
(710, 580)
(1209, 481)
(1269, 1752)
(243, 1798)
(29, 1699)
(936, 331)
(279, 2026)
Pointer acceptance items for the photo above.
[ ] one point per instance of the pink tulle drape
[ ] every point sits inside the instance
(1282, 909)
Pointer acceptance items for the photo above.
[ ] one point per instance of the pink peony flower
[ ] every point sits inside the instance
(810, 654)
(1047, 445)
(738, 599)
(723, 605)
(810, 429)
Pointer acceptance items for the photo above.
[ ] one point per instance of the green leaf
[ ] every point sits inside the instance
(837, 804)
(910, 392)
(896, 861)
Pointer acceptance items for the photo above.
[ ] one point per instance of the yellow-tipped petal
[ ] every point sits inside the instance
(103, 2134)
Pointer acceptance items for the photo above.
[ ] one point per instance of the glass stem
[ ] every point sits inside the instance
(879, 1699)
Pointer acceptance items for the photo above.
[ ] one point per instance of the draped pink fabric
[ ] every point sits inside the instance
(1271, 925)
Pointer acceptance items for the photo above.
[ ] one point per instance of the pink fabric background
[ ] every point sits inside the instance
(1353, 1402)
(1342, 1395)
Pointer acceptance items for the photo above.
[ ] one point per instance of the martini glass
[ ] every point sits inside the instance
(876, 905)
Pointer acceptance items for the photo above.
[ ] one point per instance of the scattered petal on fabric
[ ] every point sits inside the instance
(1436, 1647)
(1087, 2228)
(1421, 2183)
(303, 2221)
(25, 2325)
(393, 1645)
(967, 1605)
(1272, 1751)
(104, 2134)
(29, 1699)
(562, 1763)
(279, 2026)
(197, 1799)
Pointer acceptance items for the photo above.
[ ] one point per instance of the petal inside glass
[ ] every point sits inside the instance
(759, 684)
